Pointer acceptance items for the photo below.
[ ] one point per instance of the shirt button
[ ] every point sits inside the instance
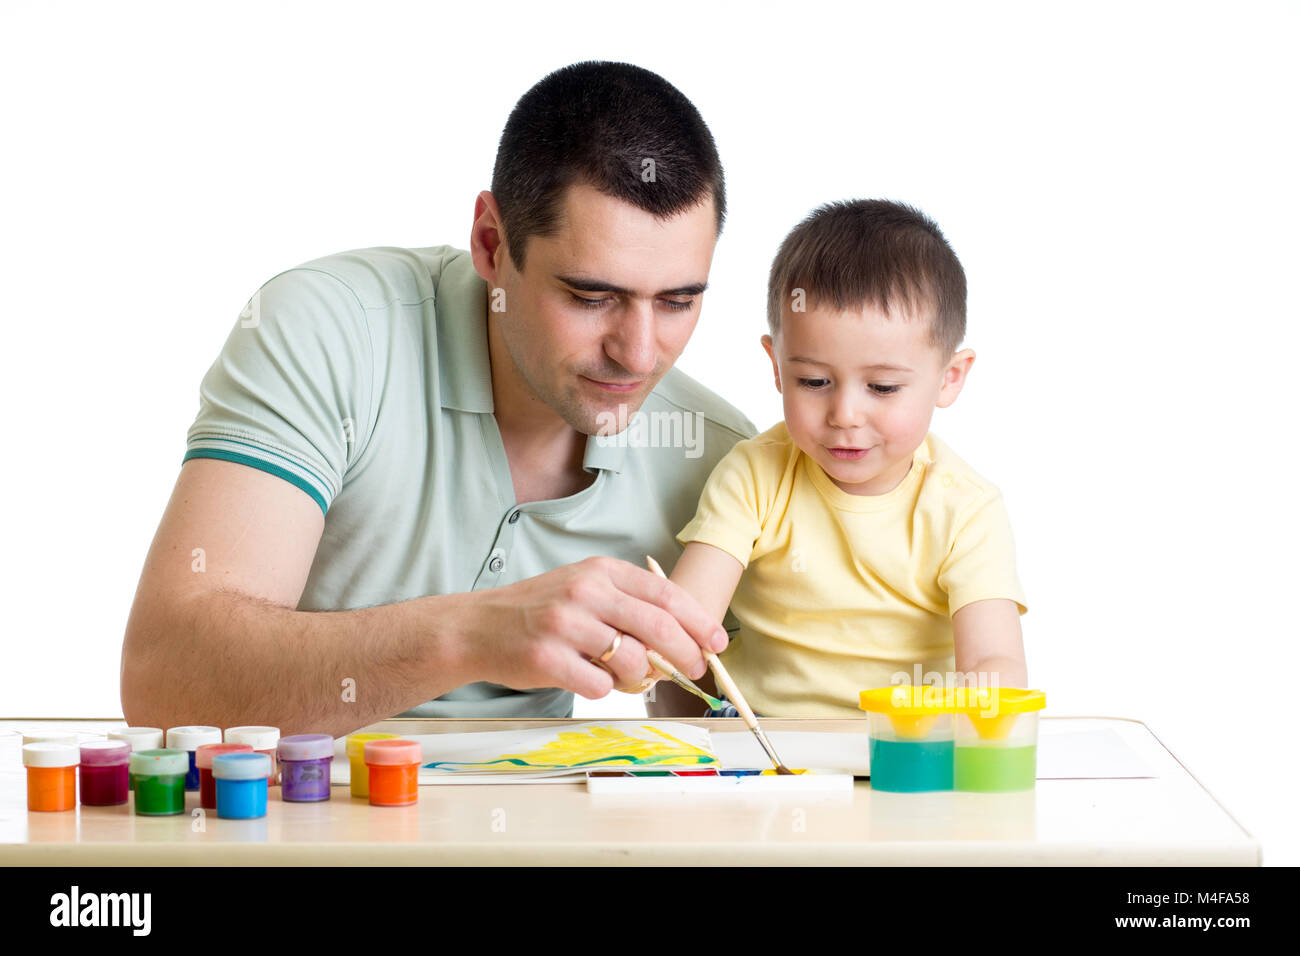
(496, 564)
(947, 481)
(514, 516)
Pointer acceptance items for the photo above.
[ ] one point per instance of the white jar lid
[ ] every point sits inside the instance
(191, 738)
(259, 738)
(49, 737)
(140, 738)
(51, 755)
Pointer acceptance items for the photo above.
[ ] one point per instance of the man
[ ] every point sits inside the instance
(394, 498)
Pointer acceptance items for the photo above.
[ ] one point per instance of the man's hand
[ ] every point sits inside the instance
(546, 631)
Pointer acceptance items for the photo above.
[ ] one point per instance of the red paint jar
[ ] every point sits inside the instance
(105, 777)
(203, 761)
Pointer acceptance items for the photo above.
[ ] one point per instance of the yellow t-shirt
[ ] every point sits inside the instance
(841, 591)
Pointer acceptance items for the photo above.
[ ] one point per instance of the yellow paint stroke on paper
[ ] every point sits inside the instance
(610, 745)
(590, 746)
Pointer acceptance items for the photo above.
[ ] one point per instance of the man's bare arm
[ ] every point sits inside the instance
(214, 637)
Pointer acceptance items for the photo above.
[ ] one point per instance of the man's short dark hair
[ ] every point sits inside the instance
(872, 252)
(597, 123)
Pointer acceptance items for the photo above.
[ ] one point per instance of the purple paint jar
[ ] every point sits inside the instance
(105, 778)
(305, 767)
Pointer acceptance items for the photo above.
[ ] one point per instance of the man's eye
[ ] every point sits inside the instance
(677, 305)
(812, 383)
(885, 389)
(590, 303)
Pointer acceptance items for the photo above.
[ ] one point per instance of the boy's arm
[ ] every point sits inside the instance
(709, 575)
(987, 638)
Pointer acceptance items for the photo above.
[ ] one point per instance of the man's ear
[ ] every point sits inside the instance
(776, 367)
(954, 377)
(487, 239)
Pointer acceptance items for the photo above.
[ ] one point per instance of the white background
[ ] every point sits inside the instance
(1118, 180)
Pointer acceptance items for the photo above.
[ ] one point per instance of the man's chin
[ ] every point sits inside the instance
(611, 416)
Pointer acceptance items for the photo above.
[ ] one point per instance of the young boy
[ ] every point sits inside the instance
(853, 546)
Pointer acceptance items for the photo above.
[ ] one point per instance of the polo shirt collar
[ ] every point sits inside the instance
(464, 364)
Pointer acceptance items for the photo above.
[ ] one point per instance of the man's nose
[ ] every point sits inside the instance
(631, 342)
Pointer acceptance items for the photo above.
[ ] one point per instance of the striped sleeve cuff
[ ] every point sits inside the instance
(245, 452)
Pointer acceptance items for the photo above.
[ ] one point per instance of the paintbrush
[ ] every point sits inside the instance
(733, 692)
(661, 664)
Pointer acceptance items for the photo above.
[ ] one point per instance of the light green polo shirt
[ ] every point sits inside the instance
(363, 379)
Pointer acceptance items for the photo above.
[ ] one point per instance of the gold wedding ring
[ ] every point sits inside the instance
(612, 649)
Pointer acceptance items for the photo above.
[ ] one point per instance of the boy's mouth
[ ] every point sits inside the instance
(848, 454)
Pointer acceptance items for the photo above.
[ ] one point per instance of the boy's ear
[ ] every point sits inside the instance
(954, 377)
(776, 367)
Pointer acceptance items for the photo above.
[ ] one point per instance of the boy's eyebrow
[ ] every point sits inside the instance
(879, 366)
(596, 285)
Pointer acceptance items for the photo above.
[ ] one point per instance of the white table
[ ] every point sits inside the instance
(1170, 819)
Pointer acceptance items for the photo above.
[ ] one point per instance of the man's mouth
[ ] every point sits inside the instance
(614, 386)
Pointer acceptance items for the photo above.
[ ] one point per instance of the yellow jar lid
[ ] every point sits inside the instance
(919, 699)
(355, 744)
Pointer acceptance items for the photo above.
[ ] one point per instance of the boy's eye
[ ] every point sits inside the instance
(815, 383)
(677, 305)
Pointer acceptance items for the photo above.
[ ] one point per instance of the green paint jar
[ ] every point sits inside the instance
(159, 781)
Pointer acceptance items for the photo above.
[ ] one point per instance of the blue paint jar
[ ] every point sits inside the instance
(241, 780)
(189, 739)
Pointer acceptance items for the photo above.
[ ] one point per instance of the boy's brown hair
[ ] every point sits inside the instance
(872, 251)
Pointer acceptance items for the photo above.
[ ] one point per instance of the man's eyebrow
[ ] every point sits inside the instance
(878, 367)
(596, 285)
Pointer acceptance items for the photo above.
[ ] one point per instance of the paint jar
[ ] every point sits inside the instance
(394, 772)
(910, 737)
(160, 781)
(51, 775)
(203, 760)
(263, 740)
(305, 767)
(355, 747)
(997, 739)
(190, 739)
(241, 780)
(140, 738)
(105, 779)
(49, 737)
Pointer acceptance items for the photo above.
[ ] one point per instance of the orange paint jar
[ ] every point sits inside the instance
(394, 772)
(51, 776)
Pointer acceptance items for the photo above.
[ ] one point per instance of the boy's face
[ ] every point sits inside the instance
(860, 421)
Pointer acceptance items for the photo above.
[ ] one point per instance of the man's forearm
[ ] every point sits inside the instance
(225, 658)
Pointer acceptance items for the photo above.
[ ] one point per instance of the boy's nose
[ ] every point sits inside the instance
(845, 411)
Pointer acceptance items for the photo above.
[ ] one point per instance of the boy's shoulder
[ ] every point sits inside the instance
(772, 450)
(949, 477)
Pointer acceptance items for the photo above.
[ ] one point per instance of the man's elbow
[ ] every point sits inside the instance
(141, 689)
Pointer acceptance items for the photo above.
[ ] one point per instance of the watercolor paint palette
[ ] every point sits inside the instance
(715, 781)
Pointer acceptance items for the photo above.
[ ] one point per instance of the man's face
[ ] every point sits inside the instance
(861, 423)
(604, 306)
